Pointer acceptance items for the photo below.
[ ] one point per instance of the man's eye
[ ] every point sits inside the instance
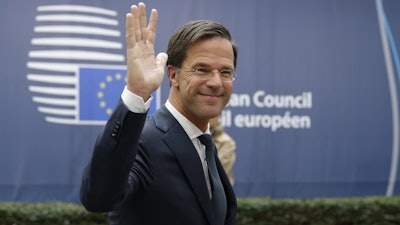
(226, 73)
(202, 70)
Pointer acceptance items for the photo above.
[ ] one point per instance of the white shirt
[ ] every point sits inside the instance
(136, 104)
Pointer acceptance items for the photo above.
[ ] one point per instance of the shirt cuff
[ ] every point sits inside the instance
(134, 102)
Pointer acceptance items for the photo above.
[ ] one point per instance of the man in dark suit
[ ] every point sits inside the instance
(147, 171)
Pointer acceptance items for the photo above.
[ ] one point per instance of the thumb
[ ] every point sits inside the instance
(161, 59)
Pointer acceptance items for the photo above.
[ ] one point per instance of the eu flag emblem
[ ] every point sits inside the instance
(99, 92)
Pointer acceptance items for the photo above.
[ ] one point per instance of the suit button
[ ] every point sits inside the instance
(114, 133)
(116, 127)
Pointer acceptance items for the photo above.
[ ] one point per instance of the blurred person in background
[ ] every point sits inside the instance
(226, 146)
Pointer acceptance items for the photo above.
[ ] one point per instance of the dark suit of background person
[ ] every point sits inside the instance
(149, 171)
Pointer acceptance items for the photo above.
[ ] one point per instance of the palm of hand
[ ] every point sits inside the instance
(145, 72)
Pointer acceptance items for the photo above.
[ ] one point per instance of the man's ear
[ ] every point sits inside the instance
(172, 75)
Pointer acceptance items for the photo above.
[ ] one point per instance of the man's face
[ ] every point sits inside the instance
(197, 98)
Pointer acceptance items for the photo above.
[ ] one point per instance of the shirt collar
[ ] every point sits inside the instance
(191, 130)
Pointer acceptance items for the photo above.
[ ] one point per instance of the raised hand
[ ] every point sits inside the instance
(145, 71)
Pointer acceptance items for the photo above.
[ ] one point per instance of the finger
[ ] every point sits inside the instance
(129, 36)
(161, 59)
(152, 27)
(143, 20)
(135, 23)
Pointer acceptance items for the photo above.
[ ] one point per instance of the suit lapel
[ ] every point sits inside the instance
(187, 156)
(230, 194)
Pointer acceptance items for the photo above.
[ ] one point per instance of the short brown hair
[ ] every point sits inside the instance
(190, 33)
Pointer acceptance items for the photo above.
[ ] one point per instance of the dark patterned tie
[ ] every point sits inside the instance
(218, 194)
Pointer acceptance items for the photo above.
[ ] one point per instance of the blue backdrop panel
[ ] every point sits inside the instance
(315, 109)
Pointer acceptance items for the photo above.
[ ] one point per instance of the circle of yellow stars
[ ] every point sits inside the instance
(102, 86)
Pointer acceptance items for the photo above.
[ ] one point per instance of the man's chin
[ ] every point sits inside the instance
(212, 112)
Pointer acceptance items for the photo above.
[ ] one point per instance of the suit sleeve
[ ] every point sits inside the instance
(106, 180)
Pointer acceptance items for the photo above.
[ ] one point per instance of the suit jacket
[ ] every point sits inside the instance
(147, 172)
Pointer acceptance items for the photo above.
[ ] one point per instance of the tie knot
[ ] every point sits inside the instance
(205, 139)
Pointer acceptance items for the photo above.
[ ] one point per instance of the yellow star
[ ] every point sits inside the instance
(118, 76)
(100, 94)
(109, 78)
(103, 104)
(109, 111)
(102, 85)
